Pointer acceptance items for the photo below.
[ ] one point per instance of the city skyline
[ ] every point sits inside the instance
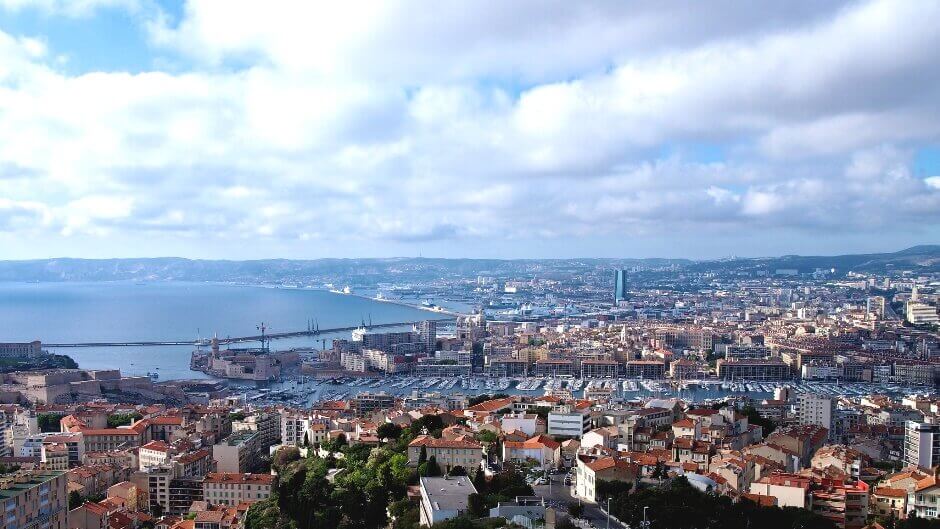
(145, 128)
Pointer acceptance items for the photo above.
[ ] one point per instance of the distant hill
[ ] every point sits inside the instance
(919, 258)
(924, 258)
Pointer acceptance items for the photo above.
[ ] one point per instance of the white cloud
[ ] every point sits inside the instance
(384, 121)
(70, 8)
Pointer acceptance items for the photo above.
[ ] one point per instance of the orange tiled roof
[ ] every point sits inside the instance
(431, 442)
(234, 477)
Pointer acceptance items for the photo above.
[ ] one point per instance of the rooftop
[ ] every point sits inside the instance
(447, 493)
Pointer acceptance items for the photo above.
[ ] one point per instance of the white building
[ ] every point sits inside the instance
(523, 422)
(570, 421)
(353, 361)
(444, 498)
(922, 444)
(220, 488)
(816, 409)
(819, 371)
(922, 313)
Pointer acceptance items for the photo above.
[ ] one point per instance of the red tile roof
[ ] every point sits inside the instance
(431, 442)
(234, 477)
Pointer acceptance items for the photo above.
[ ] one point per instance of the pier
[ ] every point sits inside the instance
(240, 339)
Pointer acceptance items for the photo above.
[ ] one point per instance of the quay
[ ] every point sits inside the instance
(240, 339)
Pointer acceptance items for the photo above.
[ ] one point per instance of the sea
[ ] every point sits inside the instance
(125, 311)
(83, 312)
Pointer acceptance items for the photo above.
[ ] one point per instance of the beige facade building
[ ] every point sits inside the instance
(231, 489)
(34, 499)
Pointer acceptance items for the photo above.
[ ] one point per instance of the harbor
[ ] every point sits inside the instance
(306, 391)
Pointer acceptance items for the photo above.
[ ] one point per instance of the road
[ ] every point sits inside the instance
(560, 495)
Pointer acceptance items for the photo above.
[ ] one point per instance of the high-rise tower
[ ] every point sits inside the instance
(620, 286)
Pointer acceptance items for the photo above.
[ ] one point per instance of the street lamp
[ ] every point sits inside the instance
(608, 513)
(646, 524)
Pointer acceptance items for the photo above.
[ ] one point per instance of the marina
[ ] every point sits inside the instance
(306, 391)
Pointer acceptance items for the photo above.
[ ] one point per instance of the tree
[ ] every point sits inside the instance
(476, 505)
(479, 481)
(284, 456)
(389, 431)
(612, 489)
(659, 472)
(156, 510)
(753, 417)
(263, 514)
(429, 468)
(679, 505)
(123, 419)
(49, 422)
(423, 455)
(575, 510)
(340, 442)
(486, 436)
(458, 470)
(433, 424)
(75, 500)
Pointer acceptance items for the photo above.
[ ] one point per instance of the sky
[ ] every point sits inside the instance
(240, 129)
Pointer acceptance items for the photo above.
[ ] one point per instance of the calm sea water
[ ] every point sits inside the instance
(169, 311)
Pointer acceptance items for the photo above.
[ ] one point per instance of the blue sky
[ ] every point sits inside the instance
(242, 129)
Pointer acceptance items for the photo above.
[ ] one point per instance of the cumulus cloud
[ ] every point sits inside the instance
(424, 124)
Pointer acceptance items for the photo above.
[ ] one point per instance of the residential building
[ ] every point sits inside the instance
(238, 452)
(753, 369)
(589, 473)
(570, 420)
(34, 499)
(816, 409)
(444, 498)
(448, 453)
(541, 449)
(598, 369)
(230, 489)
(922, 444)
(650, 369)
(922, 313)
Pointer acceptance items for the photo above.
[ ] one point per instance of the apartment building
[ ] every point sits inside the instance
(448, 453)
(444, 498)
(31, 499)
(230, 489)
(570, 420)
(238, 452)
(816, 409)
(921, 444)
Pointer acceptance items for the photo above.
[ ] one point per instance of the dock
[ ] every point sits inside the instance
(240, 339)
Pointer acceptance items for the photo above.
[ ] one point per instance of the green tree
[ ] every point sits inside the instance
(487, 437)
(49, 422)
(284, 456)
(612, 488)
(476, 505)
(678, 505)
(389, 431)
(433, 468)
(575, 510)
(753, 417)
(123, 419)
(263, 514)
(75, 500)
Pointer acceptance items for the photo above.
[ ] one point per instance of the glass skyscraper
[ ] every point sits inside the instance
(620, 286)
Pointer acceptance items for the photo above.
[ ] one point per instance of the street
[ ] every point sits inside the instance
(559, 496)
